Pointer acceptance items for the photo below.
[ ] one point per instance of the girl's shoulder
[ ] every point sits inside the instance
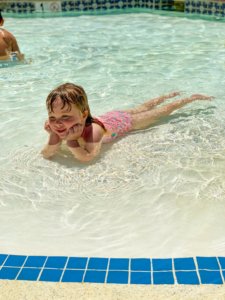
(97, 132)
(93, 133)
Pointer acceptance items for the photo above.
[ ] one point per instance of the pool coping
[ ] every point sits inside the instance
(197, 270)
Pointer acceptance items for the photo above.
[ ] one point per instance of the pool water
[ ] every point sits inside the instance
(159, 192)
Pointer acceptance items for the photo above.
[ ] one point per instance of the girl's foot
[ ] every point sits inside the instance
(201, 97)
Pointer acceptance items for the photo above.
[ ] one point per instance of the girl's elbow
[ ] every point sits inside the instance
(85, 158)
(46, 154)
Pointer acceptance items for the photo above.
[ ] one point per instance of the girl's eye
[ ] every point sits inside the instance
(65, 117)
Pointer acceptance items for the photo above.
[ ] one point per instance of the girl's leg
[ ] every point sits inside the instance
(152, 103)
(144, 119)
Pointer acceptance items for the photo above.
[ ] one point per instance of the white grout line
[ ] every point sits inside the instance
(107, 270)
(129, 270)
(221, 272)
(85, 270)
(64, 269)
(21, 267)
(42, 269)
(174, 273)
(151, 271)
(4, 261)
(197, 270)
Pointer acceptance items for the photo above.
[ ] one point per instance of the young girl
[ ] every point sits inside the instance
(70, 119)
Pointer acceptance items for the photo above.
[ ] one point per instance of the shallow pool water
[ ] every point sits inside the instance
(159, 192)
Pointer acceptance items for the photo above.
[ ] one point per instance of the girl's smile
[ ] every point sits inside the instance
(62, 119)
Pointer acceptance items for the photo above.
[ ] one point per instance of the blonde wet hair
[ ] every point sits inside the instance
(70, 94)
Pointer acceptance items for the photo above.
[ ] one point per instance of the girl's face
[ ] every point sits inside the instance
(62, 119)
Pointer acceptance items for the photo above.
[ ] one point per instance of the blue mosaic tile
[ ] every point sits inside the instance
(77, 263)
(223, 275)
(35, 261)
(207, 263)
(15, 261)
(184, 263)
(56, 262)
(163, 278)
(187, 277)
(210, 5)
(140, 278)
(101, 1)
(119, 277)
(210, 277)
(95, 276)
(162, 264)
(9, 273)
(73, 276)
(2, 258)
(217, 6)
(97, 263)
(113, 270)
(222, 262)
(29, 274)
(140, 264)
(53, 275)
(119, 264)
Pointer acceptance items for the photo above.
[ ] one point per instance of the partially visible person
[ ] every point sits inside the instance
(9, 49)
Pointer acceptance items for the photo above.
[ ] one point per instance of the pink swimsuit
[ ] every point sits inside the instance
(117, 123)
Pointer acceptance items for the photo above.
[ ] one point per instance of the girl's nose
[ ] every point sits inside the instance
(58, 123)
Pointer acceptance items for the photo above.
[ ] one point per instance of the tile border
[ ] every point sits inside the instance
(148, 271)
(196, 7)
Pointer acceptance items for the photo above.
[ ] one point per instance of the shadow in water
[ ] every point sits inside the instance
(181, 116)
(65, 158)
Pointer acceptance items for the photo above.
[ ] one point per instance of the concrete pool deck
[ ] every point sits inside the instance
(21, 290)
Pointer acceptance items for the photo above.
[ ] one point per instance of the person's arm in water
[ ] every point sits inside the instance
(87, 147)
(53, 144)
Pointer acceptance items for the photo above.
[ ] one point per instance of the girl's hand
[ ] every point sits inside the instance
(53, 137)
(47, 127)
(75, 130)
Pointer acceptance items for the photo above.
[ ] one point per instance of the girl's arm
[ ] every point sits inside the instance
(53, 144)
(52, 147)
(86, 148)
(86, 152)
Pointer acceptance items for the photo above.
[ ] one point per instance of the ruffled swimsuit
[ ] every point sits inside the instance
(117, 123)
